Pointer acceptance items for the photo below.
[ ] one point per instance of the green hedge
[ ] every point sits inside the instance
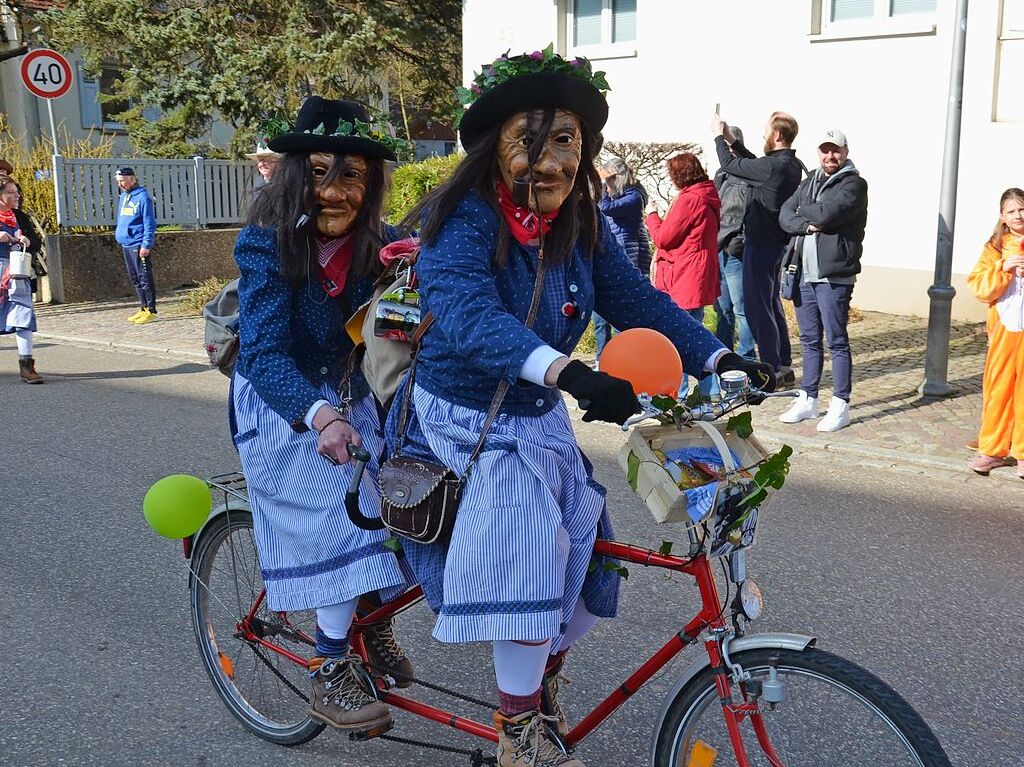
(410, 182)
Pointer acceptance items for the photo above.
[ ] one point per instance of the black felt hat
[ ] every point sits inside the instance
(535, 90)
(317, 130)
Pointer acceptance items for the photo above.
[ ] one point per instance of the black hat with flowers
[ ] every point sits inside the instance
(510, 85)
(338, 127)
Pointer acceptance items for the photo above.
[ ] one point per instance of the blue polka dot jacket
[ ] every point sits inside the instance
(292, 339)
(479, 335)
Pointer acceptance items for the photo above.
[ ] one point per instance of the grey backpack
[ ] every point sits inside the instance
(221, 336)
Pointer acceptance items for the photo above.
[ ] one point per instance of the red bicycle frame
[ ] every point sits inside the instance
(711, 618)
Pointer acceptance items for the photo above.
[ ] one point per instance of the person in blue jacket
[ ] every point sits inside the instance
(307, 257)
(623, 203)
(516, 571)
(136, 233)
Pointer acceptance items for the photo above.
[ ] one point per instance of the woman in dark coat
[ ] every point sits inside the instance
(623, 204)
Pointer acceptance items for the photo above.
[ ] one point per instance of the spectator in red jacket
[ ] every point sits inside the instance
(687, 238)
(686, 262)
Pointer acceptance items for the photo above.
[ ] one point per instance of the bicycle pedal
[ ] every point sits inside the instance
(376, 732)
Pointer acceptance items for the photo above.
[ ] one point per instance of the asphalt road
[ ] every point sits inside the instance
(916, 577)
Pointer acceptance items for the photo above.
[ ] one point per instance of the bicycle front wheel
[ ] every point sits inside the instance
(834, 713)
(266, 690)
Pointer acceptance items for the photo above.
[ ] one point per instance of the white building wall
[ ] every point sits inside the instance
(888, 93)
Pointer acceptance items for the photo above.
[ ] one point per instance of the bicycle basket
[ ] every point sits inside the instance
(687, 489)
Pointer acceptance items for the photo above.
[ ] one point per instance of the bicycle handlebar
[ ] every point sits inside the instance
(361, 458)
(709, 411)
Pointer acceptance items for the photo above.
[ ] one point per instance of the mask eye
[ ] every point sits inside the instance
(351, 174)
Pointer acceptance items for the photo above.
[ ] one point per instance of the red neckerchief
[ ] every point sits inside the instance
(7, 218)
(523, 223)
(333, 259)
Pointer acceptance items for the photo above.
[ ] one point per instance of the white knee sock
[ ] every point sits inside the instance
(24, 338)
(581, 622)
(519, 668)
(334, 620)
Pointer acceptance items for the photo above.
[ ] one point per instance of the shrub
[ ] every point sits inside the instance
(410, 182)
(37, 193)
(194, 301)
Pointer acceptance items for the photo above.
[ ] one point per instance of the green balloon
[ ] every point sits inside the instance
(176, 506)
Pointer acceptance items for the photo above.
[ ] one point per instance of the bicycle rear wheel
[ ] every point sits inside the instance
(834, 713)
(263, 689)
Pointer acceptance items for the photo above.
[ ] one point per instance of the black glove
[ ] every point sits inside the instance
(604, 397)
(760, 374)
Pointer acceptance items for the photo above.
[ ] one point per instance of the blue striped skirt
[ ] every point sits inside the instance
(520, 556)
(16, 311)
(311, 555)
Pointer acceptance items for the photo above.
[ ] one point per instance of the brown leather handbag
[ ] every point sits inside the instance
(418, 499)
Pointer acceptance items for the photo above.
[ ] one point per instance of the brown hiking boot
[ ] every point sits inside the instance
(27, 367)
(341, 699)
(553, 678)
(385, 656)
(527, 740)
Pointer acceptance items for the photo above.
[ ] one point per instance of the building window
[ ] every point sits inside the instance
(95, 113)
(602, 27)
(1008, 106)
(880, 15)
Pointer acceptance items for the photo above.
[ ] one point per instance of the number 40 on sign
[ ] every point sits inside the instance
(46, 73)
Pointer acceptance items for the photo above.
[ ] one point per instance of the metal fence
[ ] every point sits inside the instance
(193, 193)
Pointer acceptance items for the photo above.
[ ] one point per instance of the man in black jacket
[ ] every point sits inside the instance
(732, 329)
(826, 215)
(772, 179)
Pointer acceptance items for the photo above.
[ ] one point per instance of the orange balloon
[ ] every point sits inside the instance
(645, 358)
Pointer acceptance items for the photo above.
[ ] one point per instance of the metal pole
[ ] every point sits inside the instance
(936, 364)
(53, 127)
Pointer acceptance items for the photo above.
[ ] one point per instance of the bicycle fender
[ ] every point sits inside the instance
(232, 505)
(782, 641)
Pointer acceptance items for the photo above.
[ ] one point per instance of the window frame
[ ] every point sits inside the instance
(606, 49)
(882, 23)
(95, 82)
(1013, 36)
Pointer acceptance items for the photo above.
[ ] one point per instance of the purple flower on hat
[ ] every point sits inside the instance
(538, 55)
(475, 89)
(577, 62)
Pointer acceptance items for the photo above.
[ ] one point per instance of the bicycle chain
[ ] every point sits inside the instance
(477, 756)
(278, 674)
(445, 691)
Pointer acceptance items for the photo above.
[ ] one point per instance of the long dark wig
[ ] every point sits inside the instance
(288, 203)
(479, 171)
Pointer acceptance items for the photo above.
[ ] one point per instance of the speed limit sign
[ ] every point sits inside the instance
(46, 73)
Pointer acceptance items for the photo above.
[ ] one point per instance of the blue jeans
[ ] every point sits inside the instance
(602, 334)
(763, 305)
(140, 272)
(733, 330)
(824, 307)
(709, 383)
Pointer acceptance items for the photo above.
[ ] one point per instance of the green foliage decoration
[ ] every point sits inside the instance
(506, 67)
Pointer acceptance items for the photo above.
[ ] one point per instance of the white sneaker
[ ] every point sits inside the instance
(803, 407)
(837, 417)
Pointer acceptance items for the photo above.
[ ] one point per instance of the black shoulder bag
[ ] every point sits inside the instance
(419, 500)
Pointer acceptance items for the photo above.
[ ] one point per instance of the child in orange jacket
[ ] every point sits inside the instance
(998, 280)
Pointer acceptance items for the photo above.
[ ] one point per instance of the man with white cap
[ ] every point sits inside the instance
(826, 215)
(265, 159)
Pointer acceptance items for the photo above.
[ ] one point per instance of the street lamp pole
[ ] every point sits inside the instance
(936, 364)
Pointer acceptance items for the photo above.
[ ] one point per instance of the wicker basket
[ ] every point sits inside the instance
(652, 482)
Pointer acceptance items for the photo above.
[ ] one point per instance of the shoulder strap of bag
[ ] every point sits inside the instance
(499, 395)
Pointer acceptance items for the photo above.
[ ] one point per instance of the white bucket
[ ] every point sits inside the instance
(21, 263)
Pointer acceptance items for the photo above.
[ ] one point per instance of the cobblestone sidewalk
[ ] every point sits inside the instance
(891, 424)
